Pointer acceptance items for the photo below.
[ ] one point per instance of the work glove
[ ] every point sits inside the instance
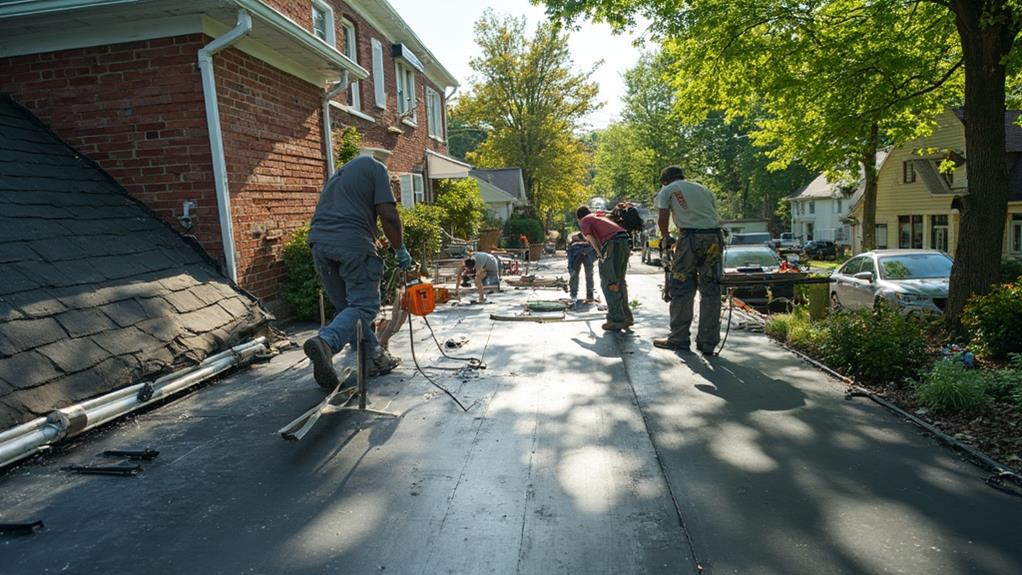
(404, 259)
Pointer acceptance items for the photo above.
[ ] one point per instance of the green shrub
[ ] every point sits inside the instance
(795, 329)
(518, 225)
(994, 321)
(1011, 270)
(463, 206)
(348, 144)
(950, 387)
(422, 232)
(1004, 385)
(875, 348)
(301, 283)
(777, 326)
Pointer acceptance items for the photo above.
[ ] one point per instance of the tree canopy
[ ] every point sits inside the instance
(531, 105)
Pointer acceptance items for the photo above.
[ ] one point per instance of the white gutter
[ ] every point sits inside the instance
(328, 136)
(28, 438)
(216, 138)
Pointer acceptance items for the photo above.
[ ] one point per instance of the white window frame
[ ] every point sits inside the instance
(351, 51)
(434, 114)
(1015, 233)
(880, 238)
(413, 190)
(379, 80)
(405, 81)
(328, 14)
(812, 206)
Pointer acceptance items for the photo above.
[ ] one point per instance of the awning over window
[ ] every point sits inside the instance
(439, 167)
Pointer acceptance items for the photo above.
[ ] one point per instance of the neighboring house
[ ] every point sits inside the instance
(499, 204)
(219, 114)
(96, 293)
(916, 200)
(508, 179)
(746, 226)
(820, 210)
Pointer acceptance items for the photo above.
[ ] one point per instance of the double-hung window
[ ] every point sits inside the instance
(323, 22)
(351, 51)
(406, 102)
(908, 172)
(434, 114)
(881, 236)
(812, 206)
(938, 232)
(910, 232)
(1015, 234)
(412, 190)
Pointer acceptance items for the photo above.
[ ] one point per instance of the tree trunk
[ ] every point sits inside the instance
(869, 192)
(987, 33)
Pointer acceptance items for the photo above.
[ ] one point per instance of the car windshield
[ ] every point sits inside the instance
(749, 258)
(915, 266)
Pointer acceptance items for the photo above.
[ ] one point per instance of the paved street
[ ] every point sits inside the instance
(582, 452)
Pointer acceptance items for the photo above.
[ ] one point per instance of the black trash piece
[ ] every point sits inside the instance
(21, 528)
(120, 470)
(144, 455)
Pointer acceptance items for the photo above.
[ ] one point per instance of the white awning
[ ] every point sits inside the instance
(439, 167)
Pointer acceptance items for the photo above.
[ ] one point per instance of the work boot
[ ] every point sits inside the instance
(321, 356)
(667, 343)
(708, 351)
(615, 326)
(383, 364)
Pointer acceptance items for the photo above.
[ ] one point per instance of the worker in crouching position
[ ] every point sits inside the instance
(484, 269)
(612, 245)
(696, 263)
(343, 241)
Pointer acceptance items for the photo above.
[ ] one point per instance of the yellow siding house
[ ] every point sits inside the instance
(915, 198)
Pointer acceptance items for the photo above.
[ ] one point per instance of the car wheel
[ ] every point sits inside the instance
(835, 305)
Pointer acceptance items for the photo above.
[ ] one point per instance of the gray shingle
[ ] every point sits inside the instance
(164, 329)
(184, 301)
(125, 312)
(31, 333)
(156, 307)
(16, 252)
(108, 375)
(74, 355)
(78, 323)
(126, 340)
(14, 280)
(210, 293)
(35, 303)
(206, 319)
(178, 282)
(236, 306)
(27, 369)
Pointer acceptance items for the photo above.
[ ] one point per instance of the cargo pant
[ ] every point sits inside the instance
(352, 282)
(612, 279)
(696, 265)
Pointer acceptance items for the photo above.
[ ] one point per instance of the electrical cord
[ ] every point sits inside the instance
(415, 360)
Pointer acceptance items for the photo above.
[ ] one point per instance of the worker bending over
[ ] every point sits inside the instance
(612, 245)
(484, 269)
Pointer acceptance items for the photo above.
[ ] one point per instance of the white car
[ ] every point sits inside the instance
(910, 280)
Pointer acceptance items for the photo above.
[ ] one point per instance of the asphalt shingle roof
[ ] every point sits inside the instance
(95, 292)
(507, 179)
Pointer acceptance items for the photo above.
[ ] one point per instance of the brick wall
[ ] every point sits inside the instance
(271, 125)
(136, 109)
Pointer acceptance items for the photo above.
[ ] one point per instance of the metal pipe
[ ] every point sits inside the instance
(328, 133)
(24, 440)
(216, 139)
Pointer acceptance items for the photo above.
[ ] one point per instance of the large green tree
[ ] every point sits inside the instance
(531, 104)
(885, 64)
(625, 168)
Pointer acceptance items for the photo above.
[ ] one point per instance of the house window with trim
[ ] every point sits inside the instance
(837, 206)
(323, 22)
(406, 102)
(908, 172)
(938, 232)
(812, 206)
(434, 114)
(1015, 234)
(880, 239)
(379, 82)
(412, 190)
(910, 232)
(351, 51)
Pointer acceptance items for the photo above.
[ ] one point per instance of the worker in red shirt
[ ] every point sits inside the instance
(612, 245)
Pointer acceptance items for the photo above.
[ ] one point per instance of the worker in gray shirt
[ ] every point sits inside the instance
(343, 241)
(696, 263)
(484, 269)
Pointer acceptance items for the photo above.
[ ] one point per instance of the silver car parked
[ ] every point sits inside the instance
(910, 280)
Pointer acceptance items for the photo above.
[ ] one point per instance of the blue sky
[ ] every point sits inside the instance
(445, 26)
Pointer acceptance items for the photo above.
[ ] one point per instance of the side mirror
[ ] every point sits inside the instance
(867, 276)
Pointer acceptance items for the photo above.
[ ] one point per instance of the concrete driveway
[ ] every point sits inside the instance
(582, 452)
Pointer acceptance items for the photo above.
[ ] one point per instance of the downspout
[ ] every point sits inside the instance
(328, 136)
(216, 139)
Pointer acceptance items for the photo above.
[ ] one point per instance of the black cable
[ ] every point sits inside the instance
(411, 341)
(473, 362)
(730, 312)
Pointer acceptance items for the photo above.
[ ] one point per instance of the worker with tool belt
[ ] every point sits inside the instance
(343, 241)
(696, 262)
(613, 246)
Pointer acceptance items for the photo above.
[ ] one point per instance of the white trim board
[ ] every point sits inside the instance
(17, 45)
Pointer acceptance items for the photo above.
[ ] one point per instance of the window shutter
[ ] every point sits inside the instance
(407, 192)
(379, 83)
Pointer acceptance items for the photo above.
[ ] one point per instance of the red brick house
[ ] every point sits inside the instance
(212, 112)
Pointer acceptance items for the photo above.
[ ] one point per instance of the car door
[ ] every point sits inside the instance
(842, 281)
(864, 290)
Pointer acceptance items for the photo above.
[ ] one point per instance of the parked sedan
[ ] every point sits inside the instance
(820, 249)
(910, 280)
(755, 262)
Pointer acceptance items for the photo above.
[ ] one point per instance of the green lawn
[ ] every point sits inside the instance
(829, 265)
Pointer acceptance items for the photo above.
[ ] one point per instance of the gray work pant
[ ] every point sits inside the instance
(696, 265)
(612, 279)
(352, 282)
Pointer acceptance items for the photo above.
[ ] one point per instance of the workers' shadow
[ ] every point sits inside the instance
(744, 389)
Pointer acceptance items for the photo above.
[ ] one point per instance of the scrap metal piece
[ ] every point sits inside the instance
(21, 528)
(120, 470)
(301, 425)
(144, 455)
(536, 317)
